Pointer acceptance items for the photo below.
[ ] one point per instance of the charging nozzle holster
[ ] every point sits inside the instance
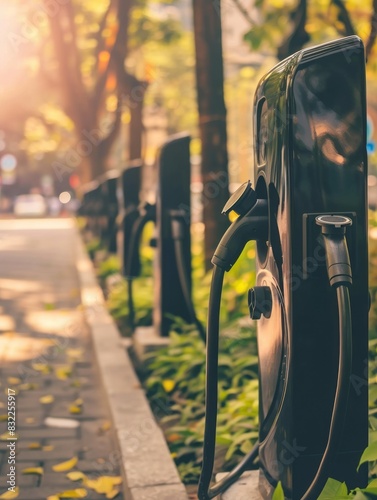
(337, 255)
(251, 226)
(132, 266)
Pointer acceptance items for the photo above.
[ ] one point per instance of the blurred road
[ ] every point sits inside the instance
(46, 358)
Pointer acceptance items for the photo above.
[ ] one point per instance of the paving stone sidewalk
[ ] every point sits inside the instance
(46, 357)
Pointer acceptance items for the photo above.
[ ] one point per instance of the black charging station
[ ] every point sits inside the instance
(108, 187)
(91, 207)
(308, 215)
(172, 240)
(323, 171)
(128, 194)
(172, 265)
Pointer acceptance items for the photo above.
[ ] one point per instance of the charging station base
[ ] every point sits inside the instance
(146, 340)
(246, 488)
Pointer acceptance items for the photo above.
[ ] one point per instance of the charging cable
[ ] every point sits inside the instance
(252, 225)
(132, 264)
(340, 277)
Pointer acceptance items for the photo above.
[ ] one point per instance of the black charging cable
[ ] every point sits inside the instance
(340, 277)
(178, 223)
(252, 224)
(132, 264)
(205, 492)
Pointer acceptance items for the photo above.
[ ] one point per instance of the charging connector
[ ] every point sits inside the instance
(337, 256)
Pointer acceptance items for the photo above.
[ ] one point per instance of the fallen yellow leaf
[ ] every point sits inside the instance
(6, 436)
(172, 438)
(14, 380)
(65, 466)
(113, 494)
(3, 418)
(15, 391)
(63, 372)
(53, 497)
(35, 446)
(28, 387)
(29, 420)
(33, 470)
(76, 476)
(103, 484)
(168, 385)
(77, 493)
(48, 447)
(105, 426)
(74, 353)
(41, 367)
(9, 495)
(75, 409)
(45, 400)
(76, 383)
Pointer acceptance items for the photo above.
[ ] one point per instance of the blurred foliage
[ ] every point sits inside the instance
(93, 246)
(235, 288)
(118, 304)
(172, 70)
(273, 22)
(108, 267)
(118, 293)
(45, 128)
(175, 382)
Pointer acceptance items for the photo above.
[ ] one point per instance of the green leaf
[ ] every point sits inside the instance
(278, 493)
(334, 489)
(369, 454)
(365, 494)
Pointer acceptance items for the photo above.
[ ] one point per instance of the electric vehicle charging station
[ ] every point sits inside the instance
(108, 187)
(128, 193)
(172, 265)
(308, 216)
(172, 239)
(91, 207)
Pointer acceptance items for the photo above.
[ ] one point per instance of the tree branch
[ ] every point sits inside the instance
(105, 145)
(299, 35)
(118, 51)
(77, 103)
(344, 18)
(244, 12)
(102, 26)
(373, 31)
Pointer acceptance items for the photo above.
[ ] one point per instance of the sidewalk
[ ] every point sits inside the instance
(46, 356)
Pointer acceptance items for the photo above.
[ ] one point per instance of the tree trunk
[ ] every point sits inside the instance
(136, 129)
(133, 96)
(212, 121)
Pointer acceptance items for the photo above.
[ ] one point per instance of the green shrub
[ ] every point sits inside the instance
(108, 267)
(93, 246)
(118, 305)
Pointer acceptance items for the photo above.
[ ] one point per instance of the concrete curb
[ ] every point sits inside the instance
(150, 473)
